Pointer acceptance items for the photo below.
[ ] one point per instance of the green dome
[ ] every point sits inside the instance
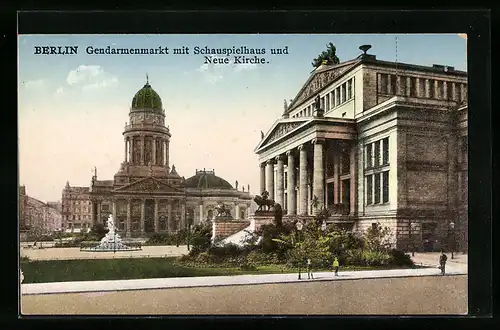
(207, 180)
(147, 99)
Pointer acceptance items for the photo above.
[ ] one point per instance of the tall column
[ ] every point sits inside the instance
(143, 214)
(319, 174)
(131, 150)
(292, 206)
(270, 178)
(154, 150)
(398, 85)
(353, 180)
(446, 96)
(303, 180)
(237, 210)
(129, 211)
(183, 215)
(336, 176)
(125, 155)
(167, 154)
(408, 86)
(114, 214)
(418, 92)
(169, 213)
(201, 213)
(262, 177)
(99, 211)
(463, 88)
(427, 88)
(143, 141)
(453, 95)
(156, 220)
(280, 176)
(437, 95)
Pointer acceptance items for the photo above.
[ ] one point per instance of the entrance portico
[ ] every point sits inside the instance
(324, 150)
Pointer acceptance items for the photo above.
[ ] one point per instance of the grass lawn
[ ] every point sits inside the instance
(42, 271)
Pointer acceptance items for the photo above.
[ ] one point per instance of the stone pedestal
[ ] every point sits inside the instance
(225, 227)
(261, 218)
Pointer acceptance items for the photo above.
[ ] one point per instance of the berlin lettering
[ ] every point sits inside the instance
(55, 50)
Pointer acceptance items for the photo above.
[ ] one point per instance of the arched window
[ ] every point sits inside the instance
(242, 214)
(210, 215)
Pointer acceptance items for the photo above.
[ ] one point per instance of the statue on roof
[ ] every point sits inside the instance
(236, 184)
(248, 187)
(261, 135)
(285, 105)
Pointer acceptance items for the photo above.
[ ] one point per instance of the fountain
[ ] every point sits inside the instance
(111, 242)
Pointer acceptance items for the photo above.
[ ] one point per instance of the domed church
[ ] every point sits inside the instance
(147, 195)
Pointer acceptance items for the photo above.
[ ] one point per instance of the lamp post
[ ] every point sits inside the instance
(188, 235)
(299, 226)
(413, 225)
(452, 230)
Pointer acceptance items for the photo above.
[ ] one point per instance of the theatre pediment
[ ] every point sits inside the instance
(148, 185)
(319, 80)
(280, 130)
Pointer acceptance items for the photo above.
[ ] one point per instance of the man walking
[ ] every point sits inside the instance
(442, 262)
(310, 274)
(336, 266)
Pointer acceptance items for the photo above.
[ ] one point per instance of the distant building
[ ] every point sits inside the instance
(76, 209)
(374, 141)
(34, 213)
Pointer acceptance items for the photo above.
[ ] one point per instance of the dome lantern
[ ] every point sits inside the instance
(146, 99)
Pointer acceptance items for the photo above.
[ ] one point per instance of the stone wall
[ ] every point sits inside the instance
(226, 228)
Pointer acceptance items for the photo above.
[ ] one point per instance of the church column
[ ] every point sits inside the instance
(131, 150)
(183, 214)
(353, 180)
(201, 213)
(126, 142)
(336, 181)
(169, 214)
(291, 205)
(99, 211)
(114, 214)
(319, 174)
(237, 210)
(303, 180)
(143, 214)
(156, 220)
(143, 141)
(270, 178)
(129, 211)
(262, 177)
(280, 176)
(154, 150)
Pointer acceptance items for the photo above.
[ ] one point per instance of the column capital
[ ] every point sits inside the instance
(263, 164)
(290, 152)
(301, 147)
(318, 141)
(270, 162)
(279, 157)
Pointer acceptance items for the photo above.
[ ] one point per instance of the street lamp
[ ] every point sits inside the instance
(412, 228)
(299, 226)
(452, 228)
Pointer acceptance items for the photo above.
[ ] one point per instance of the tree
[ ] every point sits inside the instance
(98, 231)
(278, 215)
(201, 238)
(329, 55)
(377, 238)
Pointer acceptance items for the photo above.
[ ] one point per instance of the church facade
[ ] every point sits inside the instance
(147, 195)
(374, 141)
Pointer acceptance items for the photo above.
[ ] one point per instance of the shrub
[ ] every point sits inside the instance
(376, 258)
(245, 265)
(226, 250)
(204, 258)
(201, 238)
(399, 258)
(24, 259)
(259, 258)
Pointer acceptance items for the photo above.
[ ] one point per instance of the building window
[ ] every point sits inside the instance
(458, 89)
(431, 89)
(385, 151)
(337, 97)
(369, 189)
(344, 92)
(384, 83)
(345, 161)
(377, 153)
(394, 81)
(464, 148)
(403, 87)
(369, 155)
(332, 99)
(285, 182)
(385, 186)
(376, 192)
(413, 87)
(327, 101)
(440, 90)
(349, 89)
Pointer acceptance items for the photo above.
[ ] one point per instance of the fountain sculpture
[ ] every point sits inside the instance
(111, 242)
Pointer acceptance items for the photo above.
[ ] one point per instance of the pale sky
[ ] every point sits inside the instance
(73, 108)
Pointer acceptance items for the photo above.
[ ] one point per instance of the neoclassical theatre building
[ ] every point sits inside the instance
(374, 141)
(147, 195)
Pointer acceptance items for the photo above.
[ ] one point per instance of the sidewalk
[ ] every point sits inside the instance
(212, 281)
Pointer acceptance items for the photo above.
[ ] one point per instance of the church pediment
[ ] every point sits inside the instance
(148, 185)
(318, 81)
(281, 129)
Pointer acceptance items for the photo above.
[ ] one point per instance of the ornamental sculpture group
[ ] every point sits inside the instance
(263, 201)
(223, 211)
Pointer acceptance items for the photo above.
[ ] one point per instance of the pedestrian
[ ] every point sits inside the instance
(309, 269)
(442, 262)
(336, 266)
